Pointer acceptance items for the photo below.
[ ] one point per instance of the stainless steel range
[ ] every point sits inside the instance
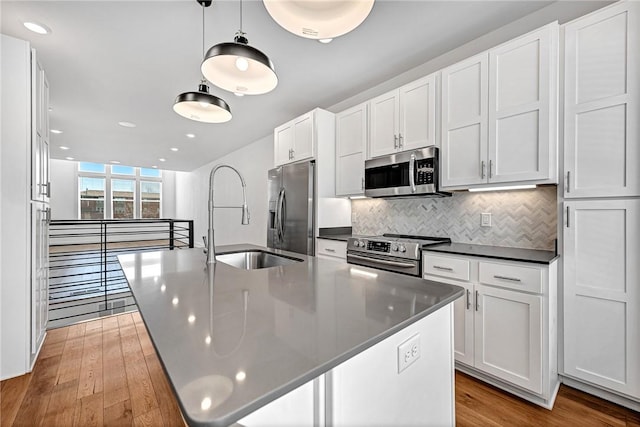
(392, 252)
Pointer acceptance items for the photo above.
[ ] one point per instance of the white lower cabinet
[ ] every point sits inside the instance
(331, 249)
(602, 294)
(504, 326)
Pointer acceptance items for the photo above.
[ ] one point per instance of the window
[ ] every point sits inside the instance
(91, 197)
(122, 197)
(113, 191)
(91, 167)
(150, 199)
(123, 170)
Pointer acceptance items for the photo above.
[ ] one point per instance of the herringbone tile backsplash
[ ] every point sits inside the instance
(519, 218)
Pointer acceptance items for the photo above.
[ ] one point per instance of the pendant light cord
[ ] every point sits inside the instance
(203, 52)
(241, 17)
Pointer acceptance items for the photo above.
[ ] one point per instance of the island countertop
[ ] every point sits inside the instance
(233, 340)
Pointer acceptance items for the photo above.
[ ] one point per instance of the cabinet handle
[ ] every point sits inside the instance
(482, 166)
(329, 250)
(468, 299)
(443, 268)
(490, 168)
(511, 279)
(48, 189)
(362, 186)
(568, 181)
(289, 153)
(293, 154)
(395, 141)
(400, 140)
(477, 304)
(567, 216)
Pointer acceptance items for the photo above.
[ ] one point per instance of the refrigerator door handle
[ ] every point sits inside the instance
(283, 213)
(279, 215)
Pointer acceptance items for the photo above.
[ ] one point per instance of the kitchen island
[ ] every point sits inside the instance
(313, 342)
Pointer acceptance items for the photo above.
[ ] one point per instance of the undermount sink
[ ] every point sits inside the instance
(252, 260)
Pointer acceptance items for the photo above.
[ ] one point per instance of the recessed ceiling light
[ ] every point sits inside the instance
(37, 28)
(127, 124)
(163, 160)
(69, 158)
(325, 41)
(56, 131)
(115, 162)
(174, 149)
(154, 166)
(62, 147)
(190, 135)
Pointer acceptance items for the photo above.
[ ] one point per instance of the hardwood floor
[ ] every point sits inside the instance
(106, 372)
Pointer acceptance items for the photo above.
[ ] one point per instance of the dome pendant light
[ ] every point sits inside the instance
(319, 19)
(239, 68)
(200, 105)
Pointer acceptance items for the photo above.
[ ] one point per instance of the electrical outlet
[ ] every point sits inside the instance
(485, 220)
(408, 352)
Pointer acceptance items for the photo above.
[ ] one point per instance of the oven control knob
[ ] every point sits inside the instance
(359, 243)
(394, 247)
(402, 248)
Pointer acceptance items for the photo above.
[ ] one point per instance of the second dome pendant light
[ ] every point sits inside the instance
(239, 68)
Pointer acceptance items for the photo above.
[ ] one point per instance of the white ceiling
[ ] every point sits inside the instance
(111, 61)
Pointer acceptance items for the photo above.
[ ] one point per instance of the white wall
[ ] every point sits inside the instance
(64, 191)
(253, 162)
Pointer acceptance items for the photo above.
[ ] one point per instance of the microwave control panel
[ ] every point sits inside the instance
(424, 171)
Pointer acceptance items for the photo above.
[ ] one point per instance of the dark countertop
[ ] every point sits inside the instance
(233, 340)
(496, 252)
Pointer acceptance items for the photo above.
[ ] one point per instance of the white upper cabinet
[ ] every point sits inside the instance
(464, 122)
(499, 114)
(294, 140)
(403, 119)
(601, 293)
(351, 146)
(40, 182)
(523, 97)
(602, 119)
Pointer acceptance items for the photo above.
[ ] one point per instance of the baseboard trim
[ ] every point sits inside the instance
(601, 393)
(528, 396)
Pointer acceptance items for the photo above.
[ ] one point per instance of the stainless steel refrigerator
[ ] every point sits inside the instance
(291, 220)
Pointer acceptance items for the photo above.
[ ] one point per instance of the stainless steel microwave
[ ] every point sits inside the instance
(408, 174)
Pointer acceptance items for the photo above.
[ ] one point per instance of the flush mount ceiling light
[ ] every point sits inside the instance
(202, 106)
(239, 68)
(37, 28)
(127, 124)
(319, 19)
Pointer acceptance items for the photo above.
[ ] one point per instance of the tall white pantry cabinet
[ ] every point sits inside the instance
(24, 213)
(601, 227)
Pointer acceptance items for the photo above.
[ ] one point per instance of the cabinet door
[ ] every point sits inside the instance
(303, 137)
(418, 114)
(508, 336)
(464, 122)
(601, 127)
(283, 137)
(463, 313)
(351, 143)
(383, 124)
(522, 98)
(601, 293)
(39, 274)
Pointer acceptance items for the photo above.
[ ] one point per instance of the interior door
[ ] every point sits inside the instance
(297, 213)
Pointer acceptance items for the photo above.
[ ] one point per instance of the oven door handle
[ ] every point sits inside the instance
(383, 261)
(412, 172)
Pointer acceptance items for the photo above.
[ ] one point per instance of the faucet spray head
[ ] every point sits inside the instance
(245, 215)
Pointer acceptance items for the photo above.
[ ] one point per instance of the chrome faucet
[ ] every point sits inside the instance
(210, 243)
